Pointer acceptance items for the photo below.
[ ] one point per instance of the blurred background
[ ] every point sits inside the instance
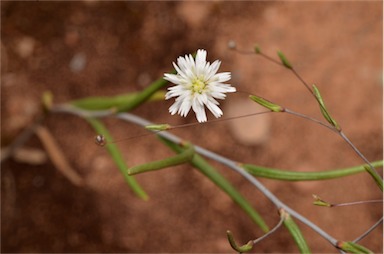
(90, 48)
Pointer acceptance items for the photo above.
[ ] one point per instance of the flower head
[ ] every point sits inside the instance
(197, 84)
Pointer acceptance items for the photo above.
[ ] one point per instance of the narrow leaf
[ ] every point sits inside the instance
(117, 157)
(111, 102)
(376, 177)
(205, 168)
(144, 95)
(352, 247)
(185, 156)
(292, 227)
(287, 175)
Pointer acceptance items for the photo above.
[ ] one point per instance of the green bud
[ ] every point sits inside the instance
(241, 249)
(323, 109)
(257, 49)
(284, 60)
(319, 202)
(267, 104)
(47, 100)
(158, 127)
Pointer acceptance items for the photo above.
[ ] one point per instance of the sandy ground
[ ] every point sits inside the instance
(79, 49)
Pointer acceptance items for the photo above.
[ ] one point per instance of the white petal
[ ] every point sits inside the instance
(202, 98)
(174, 108)
(175, 79)
(211, 70)
(180, 71)
(220, 77)
(201, 57)
(216, 111)
(199, 111)
(200, 62)
(185, 107)
(218, 95)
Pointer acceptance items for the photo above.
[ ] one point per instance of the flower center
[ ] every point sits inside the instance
(198, 86)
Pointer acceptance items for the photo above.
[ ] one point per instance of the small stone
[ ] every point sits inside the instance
(252, 130)
(25, 47)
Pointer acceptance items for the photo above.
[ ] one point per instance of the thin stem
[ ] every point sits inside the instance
(270, 232)
(293, 71)
(373, 170)
(357, 203)
(270, 59)
(303, 81)
(310, 119)
(220, 120)
(374, 173)
(369, 230)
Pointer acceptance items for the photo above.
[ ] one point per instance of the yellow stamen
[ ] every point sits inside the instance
(198, 86)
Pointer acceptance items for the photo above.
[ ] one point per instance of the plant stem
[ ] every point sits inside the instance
(369, 230)
(373, 171)
(234, 166)
(209, 154)
(310, 119)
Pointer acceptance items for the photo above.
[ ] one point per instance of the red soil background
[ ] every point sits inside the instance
(126, 45)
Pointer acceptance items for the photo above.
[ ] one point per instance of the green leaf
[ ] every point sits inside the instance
(352, 247)
(323, 109)
(181, 158)
(205, 168)
(117, 157)
(144, 95)
(376, 177)
(113, 102)
(287, 175)
(292, 227)
(267, 104)
(284, 60)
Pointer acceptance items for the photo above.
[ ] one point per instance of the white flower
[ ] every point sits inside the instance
(197, 85)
